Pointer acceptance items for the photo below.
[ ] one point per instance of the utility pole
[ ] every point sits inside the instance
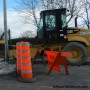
(5, 30)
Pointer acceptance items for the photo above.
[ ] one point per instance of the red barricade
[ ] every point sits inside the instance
(55, 59)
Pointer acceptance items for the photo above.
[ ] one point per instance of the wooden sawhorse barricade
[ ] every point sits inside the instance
(55, 59)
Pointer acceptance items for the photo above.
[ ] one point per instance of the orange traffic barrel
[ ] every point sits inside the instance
(18, 57)
(26, 65)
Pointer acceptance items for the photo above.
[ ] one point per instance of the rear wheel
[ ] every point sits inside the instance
(79, 53)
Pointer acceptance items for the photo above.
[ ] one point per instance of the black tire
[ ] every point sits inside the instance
(83, 51)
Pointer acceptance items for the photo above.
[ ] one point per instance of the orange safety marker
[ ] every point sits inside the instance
(55, 59)
(26, 67)
(18, 57)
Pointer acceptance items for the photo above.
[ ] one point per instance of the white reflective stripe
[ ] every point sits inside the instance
(18, 50)
(25, 44)
(23, 58)
(26, 71)
(22, 51)
(18, 61)
(61, 34)
(26, 58)
(17, 44)
(25, 51)
(29, 64)
(18, 56)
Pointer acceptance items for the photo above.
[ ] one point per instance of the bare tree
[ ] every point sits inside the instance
(1, 32)
(87, 10)
(84, 16)
(27, 34)
(74, 6)
(53, 4)
(29, 10)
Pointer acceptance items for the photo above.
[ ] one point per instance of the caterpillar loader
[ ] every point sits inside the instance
(55, 35)
(2, 42)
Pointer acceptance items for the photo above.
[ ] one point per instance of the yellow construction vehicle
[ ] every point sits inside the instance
(2, 42)
(1, 49)
(2, 53)
(54, 34)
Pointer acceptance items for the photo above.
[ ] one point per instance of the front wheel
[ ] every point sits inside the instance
(79, 53)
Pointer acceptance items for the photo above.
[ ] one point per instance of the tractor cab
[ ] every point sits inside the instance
(52, 25)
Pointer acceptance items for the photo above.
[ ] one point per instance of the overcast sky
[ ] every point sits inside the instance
(14, 22)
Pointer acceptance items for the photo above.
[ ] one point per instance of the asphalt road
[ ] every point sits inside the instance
(78, 79)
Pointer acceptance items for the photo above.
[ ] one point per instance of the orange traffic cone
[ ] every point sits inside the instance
(18, 58)
(26, 65)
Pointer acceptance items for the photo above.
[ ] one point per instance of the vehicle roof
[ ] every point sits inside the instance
(54, 10)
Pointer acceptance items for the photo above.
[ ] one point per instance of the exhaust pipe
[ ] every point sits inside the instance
(76, 21)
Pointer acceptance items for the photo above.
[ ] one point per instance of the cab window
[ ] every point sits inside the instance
(63, 19)
(40, 28)
(50, 21)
